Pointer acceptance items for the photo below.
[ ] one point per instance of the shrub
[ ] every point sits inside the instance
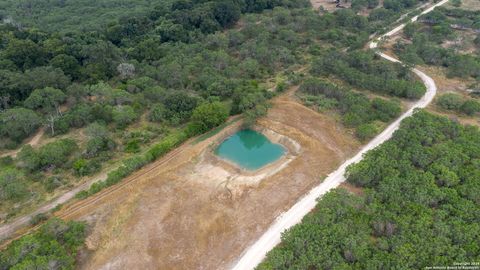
(54, 245)
(132, 164)
(37, 219)
(470, 107)
(366, 131)
(12, 185)
(124, 116)
(386, 110)
(52, 183)
(97, 145)
(132, 146)
(56, 153)
(157, 113)
(209, 115)
(450, 101)
(18, 123)
(83, 167)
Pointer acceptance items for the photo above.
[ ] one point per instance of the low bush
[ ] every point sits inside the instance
(133, 164)
(53, 246)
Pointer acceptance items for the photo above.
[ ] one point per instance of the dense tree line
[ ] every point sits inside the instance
(357, 110)
(420, 207)
(457, 103)
(365, 70)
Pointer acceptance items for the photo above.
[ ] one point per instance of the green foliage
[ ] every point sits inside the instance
(456, 3)
(450, 101)
(80, 167)
(12, 184)
(363, 70)
(39, 218)
(123, 115)
(470, 107)
(320, 102)
(52, 155)
(179, 107)
(366, 132)
(157, 113)
(386, 110)
(52, 183)
(133, 164)
(56, 153)
(55, 245)
(359, 4)
(132, 146)
(207, 116)
(435, 28)
(161, 59)
(18, 123)
(420, 208)
(456, 102)
(356, 109)
(48, 99)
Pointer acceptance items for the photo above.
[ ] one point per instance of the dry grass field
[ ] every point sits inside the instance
(168, 220)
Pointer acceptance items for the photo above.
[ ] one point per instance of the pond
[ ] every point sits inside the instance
(249, 149)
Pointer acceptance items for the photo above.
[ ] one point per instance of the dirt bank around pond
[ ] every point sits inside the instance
(175, 218)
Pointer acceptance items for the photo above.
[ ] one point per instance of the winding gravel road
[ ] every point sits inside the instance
(257, 252)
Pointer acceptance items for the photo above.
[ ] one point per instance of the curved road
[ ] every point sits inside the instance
(257, 252)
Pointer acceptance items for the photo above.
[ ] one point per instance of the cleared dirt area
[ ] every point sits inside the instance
(328, 5)
(170, 220)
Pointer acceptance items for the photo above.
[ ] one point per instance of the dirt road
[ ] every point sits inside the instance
(8, 230)
(255, 253)
(33, 142)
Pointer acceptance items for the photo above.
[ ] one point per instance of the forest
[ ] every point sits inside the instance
(133, 85)
(420, 206)
(70, 16)
(142, 85)
(433, 32)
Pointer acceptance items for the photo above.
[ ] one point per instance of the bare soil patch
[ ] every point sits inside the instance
(169, 220)
(328, 5)
(352, 189)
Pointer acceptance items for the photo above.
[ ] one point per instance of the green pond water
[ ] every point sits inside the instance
(249, 149)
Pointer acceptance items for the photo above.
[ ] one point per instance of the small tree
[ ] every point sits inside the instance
(12, 186)
(209, 115)
(470, 107)
(450, 101)
(157, 113)
(366, 131)
(48, 100)
(57, 153)
(124, 115)
(18, 123)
